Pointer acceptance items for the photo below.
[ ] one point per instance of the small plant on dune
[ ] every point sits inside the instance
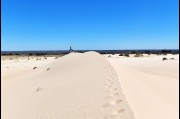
(138, 55)
(38, 89)
(126, 55)
(34, 67)
(48, 69)
(171, 59)
(164, 58)
(109, 56)
(45, 58)
(121, 54)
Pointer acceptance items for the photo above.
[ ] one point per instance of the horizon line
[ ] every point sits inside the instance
(85, 50)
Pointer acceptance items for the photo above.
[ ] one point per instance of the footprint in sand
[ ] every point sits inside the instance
(116, 113)
(106, 105)
(112, 89)
(116, 102)
(105, 117)
(112, 103)
(38, 89)
(110, 86)
(109, 83)
(109, 80)
(114, 94)
(110, 76)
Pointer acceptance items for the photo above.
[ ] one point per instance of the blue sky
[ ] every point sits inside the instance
(89, 24)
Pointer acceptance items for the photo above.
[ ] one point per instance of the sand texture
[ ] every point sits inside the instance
(150, 85)
(75, 86)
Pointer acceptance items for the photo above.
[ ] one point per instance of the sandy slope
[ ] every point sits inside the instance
(19, 65)
(150, 85)
(76, 86)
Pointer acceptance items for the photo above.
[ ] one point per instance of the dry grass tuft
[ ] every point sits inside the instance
(126, 55)
(34, 67)
(164, 58)
(138, 55)
(171, 59)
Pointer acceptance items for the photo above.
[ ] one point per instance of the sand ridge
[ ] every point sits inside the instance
(76, 86)
(91, 86)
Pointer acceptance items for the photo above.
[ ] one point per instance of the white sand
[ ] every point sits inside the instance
(150, 85)
(76, 86)
(86, 86)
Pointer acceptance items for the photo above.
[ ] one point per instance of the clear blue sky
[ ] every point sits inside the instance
(89, 24)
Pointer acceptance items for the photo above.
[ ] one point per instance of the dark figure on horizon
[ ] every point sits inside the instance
(70, 50)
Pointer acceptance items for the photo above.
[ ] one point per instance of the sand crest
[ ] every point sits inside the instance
(76, 86)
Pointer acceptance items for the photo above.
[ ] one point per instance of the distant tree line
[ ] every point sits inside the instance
(140, 52)
(37, 54)
(4, 54)
(101, 52)
(30, 54)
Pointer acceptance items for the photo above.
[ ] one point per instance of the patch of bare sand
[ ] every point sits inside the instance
(76, 86)
(150, 85)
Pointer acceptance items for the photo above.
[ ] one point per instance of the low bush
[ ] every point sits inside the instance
(164, 58)
(126, 55)
(138, 55)
(121, 54)
(171, 59)
(34, 67)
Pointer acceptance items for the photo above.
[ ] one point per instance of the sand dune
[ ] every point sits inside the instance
(91, 86)
(150, 85)
(76, 86)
